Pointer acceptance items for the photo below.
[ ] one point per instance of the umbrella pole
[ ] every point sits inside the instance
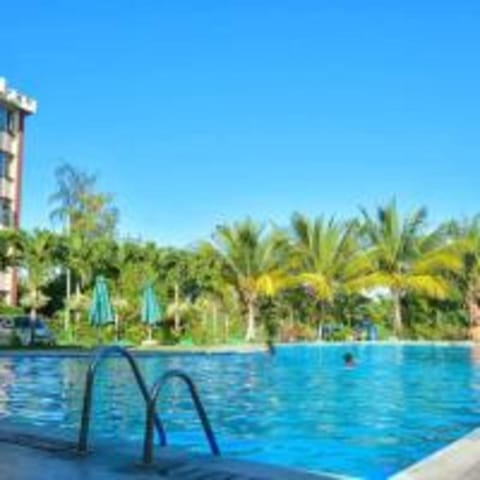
(149, 333)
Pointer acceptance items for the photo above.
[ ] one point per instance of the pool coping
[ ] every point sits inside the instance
(140, 352)
(27, 452)
(229, 349)
(29, 446)
(458, 460)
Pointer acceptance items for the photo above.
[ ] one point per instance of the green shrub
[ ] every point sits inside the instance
(11, 310)
(442, 331)
(342, 334)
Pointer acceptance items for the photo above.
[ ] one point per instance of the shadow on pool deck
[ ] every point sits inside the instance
(29, 455)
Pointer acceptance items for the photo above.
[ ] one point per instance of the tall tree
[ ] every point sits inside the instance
(176, 267)
(327, 258)
(9, 240)
(9, 251)
(253, 262)
(36, 253)
(72, 186)
(95, 216)
(214, 294)
(406, 258)
(83, 213)
(467, 236)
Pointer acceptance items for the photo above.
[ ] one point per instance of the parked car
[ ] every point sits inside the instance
(20, 329)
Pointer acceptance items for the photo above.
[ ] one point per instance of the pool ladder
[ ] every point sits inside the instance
(152, 419)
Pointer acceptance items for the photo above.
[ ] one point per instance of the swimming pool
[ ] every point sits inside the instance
(300, 408)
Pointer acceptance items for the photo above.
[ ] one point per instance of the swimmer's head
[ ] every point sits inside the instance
(348, 359)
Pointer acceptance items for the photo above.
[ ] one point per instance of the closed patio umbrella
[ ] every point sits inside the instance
(101, 311)
(151, 310)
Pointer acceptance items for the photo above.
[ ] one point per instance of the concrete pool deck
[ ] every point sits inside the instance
(459, 460)
(27, 455)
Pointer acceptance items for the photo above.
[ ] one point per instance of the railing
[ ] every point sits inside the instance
(100, 355)
(150, 417)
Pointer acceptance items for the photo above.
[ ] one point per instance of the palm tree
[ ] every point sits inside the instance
(9, 240)
(85, 258)
(406, 258)
(36, 251)
(120, 308)
(327, 258)
(9, 253)
(175, 265)
(206, 267)
(253, 263)
(82, 212)
(467, 237)
(81, 260)
(72, 185)
(179, 309)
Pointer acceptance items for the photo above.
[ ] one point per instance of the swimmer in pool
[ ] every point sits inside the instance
(349, 360)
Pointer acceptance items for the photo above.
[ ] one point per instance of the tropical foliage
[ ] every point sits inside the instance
(250, 281)
(326, 258)
(467, 240)
(253, 263)
(406, 258)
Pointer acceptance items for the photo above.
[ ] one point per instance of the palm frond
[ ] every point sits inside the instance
(442, 260)
(318, 283)
(428, 285)
(370, 281)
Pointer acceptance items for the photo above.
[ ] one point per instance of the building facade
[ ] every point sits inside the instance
(14, 108)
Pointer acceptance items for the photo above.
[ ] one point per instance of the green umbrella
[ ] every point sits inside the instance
(151, 311)
(101, 311)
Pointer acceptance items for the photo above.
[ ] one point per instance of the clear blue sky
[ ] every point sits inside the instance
(200, 112)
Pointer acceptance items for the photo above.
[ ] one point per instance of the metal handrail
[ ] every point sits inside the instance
(100, 355)
(149, 420)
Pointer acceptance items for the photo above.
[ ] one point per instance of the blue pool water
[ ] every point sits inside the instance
(301, 408)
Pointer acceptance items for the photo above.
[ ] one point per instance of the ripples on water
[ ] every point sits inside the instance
(300, 408)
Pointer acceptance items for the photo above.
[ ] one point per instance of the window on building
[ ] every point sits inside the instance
(3, 119)
(5, 165)
(12, 122)
(6, 212)
(8, 120)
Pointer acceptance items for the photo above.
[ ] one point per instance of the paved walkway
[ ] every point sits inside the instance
(29, 456)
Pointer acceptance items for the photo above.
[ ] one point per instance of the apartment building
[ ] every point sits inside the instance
(14, 108)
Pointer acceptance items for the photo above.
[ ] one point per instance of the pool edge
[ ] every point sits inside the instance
(458, 460)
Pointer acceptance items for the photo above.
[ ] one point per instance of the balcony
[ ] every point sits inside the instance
(6, 143)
